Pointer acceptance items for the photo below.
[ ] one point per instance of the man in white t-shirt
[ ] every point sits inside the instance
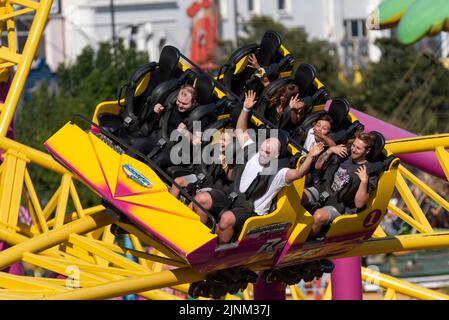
(261, 166)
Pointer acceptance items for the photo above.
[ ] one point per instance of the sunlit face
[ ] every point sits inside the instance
(225, 140)
(184, 100)
(322, 127)
(269, 150)
(359, 150)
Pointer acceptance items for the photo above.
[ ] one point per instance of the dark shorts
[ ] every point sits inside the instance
(242, 210)
(220, 201)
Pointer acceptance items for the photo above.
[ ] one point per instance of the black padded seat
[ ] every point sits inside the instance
(304, 77)
(338, 111)
(204, 88)
(376, 153)
(269, 47)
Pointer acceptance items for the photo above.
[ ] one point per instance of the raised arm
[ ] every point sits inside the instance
(260, 72)
(296, 109)
(295, 174)
(339, 150)
(242, 122)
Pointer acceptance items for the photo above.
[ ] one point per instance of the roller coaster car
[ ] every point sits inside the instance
(278, 239)
(148, 85)
(311, 90)
(344, 124)
(271, 54)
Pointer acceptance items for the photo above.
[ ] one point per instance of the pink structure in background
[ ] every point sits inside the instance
(347, 279)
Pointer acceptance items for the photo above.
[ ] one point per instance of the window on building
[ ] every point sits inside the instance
(282, 5)
(355, 28)
(285, 7)
(251, 5)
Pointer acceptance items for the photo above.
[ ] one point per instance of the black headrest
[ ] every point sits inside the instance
(308, 102)
(241, 52)
(269, 91)
(304, 76)
(377, 148)
(168, 61)
(338, 111)
(269, 46)
(163, 90)
(205, 89)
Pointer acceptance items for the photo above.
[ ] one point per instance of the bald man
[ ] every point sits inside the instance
(257, 181)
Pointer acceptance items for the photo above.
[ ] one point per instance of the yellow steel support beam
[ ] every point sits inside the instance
(436, 240)
(7, 180)
(405, 217)
(138, 246)
(401, 286)
(17, 187)
(94, 268)
(35, 156)
(63, 268)
(145, 238)
(7, 16)
(417, 144)
(24, 63)
(296, 293)
(150, 257)
(7, 54)
(123, 287)
(104, 253)
(9, 281)
(51, 204)
(412, 204)
(390, 294)
(26, 3)
(41, 221)
(443, 158)
(10, 25)
(328, 292)
(76, 200)
(61, 207)
(423, 187)
(54, 237)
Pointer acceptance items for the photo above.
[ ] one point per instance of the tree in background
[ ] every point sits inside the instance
(407, 88)
(94, 77)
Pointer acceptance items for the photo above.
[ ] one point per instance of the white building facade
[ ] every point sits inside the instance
(151, 24)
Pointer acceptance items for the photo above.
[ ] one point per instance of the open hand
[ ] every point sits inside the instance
(250, 99)
(296, 103)
(253, 63)
(316, 149)
(339, 150)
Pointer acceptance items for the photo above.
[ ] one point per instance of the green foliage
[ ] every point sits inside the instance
(406, 87)
(94, 77)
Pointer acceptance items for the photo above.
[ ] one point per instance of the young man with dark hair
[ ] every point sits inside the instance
(345, 186)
